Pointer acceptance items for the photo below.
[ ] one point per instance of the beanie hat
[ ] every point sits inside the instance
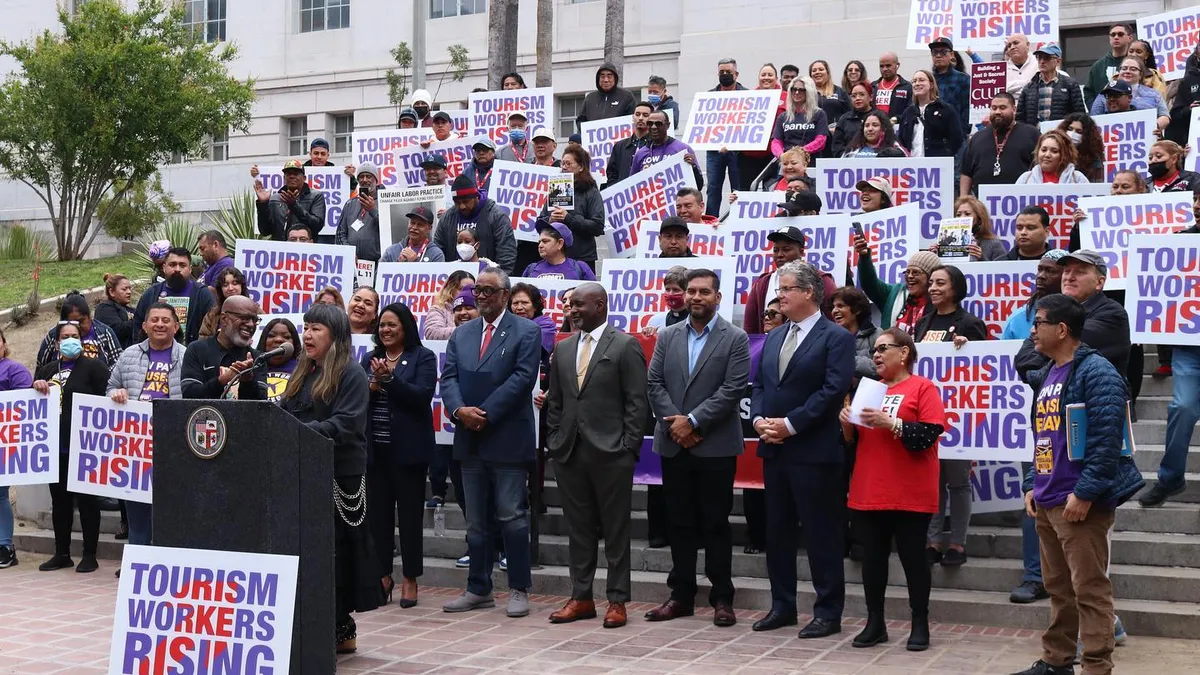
(158, 250)
(463, 186)
(368, 167)
(925, 261)
(464, 297)
(1054, 254)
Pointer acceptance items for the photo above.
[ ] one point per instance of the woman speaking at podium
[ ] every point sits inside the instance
(328, 393)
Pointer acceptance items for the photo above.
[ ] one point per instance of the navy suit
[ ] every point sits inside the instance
(802, 475)
(496, 458)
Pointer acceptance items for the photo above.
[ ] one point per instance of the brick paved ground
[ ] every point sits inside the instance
(61, 622)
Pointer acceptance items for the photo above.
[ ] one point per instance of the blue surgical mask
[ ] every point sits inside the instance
(70, 348)
(516, 135)
(654, 99)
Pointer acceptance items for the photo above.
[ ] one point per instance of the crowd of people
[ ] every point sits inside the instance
(857, 482)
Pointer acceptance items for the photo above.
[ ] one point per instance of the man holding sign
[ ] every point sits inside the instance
(294, 203)
(662, 146)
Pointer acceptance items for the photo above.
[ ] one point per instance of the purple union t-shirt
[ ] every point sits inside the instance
(157, 384)
(1055, 475)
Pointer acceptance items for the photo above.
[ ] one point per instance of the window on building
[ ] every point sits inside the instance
(569, 108)
(218, 146)
(443, 8)
(324, 15)
(206, 18)
(343, 129)
(297, 136)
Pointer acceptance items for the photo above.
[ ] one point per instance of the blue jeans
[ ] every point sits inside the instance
(6, 518)
(139, 515)
(1030, 550)
(1182, 414)
(716, 166)
(508, 483)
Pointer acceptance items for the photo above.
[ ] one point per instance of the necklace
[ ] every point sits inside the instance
(999, 148)
(392, 359)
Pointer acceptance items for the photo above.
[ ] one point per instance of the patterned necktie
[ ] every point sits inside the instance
(585, 355)
(789, 347)
(487, 340)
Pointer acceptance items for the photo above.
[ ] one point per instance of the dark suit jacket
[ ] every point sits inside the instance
(409, 394)
(710, 393)
(809, 395)
(501, 383)
(606, 414)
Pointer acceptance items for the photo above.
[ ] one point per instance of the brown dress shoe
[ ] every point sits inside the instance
(574, 610)
(669, 610)
(723, 615)
(615, 616)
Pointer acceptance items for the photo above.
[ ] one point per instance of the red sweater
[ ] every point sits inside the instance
(760, 295)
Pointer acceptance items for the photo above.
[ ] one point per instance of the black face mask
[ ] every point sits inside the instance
(1158, 169)
(726, 79)
(421, 110)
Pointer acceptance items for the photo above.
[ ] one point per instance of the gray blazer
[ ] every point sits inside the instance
(711, 393)
(608, 413)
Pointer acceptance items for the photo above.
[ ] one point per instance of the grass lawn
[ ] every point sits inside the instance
(16, 276)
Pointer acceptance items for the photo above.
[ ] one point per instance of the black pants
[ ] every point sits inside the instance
(396, 494)
(656, 513)
(699, 496)
(876, 530)
(754, 507)
(750, 167)
(439, 471)
(63, 505)
(1135, 370)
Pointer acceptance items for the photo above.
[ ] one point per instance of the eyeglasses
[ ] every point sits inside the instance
(1130, 69)
(484, 291)
(68, 323)
(879, 349)
(1118, 34)
(771, 314)
(780, 290)
(656, 124)
(914, 274)
(244, 318)
(1043, 322)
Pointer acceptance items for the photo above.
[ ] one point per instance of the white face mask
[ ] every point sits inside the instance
(465, 251)
(1075, 137)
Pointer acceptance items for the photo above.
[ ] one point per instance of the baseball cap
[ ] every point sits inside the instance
(543, 132)
(410, 114)
(442, 115)
(941, 42)
(464, 297)
(319, 143)
(1049, 49)
(674, 223)
(787, 233)
(485, 142)
(562, 230)
(421, 213)
(1087, 257)
(434, 161)
(801, 201)
(877, 183)
(1118, 88)
(517, 113)
(293, 165)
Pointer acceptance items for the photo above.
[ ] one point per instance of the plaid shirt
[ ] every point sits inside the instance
(102, 346)
(955, 89)
(1045, 96)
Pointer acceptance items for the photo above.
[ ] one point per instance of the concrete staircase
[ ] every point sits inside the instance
(1155, 555)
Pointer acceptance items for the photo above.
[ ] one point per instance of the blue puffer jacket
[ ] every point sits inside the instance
(1092, 379)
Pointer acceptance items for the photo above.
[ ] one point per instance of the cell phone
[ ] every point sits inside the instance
(364, 192)
(858, 229)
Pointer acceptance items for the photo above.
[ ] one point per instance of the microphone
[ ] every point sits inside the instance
(286, 350)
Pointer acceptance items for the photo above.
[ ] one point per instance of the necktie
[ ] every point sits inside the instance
(487, 339)
(789, 347)
(585, 355)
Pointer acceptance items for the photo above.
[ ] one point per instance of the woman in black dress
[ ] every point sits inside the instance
(328, 393)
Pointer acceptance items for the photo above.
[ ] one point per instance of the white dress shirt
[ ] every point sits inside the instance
(595, 341)
(802, 327)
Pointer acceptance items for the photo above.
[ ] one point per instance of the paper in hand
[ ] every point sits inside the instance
(870, 394)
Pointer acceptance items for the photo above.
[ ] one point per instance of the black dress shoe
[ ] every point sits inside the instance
(918, 639)
(819, 628)
(658, 542)
(774, 620)
(58, 562)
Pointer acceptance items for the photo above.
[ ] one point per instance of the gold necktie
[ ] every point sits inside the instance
(584, 356)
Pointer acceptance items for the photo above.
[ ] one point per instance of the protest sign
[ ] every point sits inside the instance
(998, 289)
(29, 437)
(1172, 37)
(755, 204)
(734, 120)
(927, 182)
(360, 344)
(996, 487)
(190, 611)
(443, 426)
(647, 195)
(416, 284)
(987, 80)
(893, 235)
(929, 20)
(408, 172)
(1127, 139)
(1162, 294)
(599, 137)
(985, 24)
(1110, 221)
(562, 192)
(635, 290)
(489, 111)
(285, 278)
(395, 205)
(1004, 202)
(954, 239)
(521, 191)
(825, 246)
(460, 121)
(987, 404)
(330, 181)
(112, 448)
(379, 147)
(552, 291)
(703, 240)
(364, 273)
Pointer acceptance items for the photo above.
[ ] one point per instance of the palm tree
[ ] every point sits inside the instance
(545, 43)
(502, 40)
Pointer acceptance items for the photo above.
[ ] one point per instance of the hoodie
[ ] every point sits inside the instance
(1187, 93)
(601, 105)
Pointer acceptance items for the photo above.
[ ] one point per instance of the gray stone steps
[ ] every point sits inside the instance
(1155, 386)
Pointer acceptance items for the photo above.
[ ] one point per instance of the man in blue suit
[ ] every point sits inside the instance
(487, 384)
(805, 371)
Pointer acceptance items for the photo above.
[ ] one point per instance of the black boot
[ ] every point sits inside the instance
(874, 633)
(918, 639)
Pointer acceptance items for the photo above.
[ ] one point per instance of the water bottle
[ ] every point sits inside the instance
(439, 522)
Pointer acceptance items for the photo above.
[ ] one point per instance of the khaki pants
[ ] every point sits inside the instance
(1075, 572)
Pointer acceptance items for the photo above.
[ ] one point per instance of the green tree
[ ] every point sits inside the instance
(93, 109)
(143, 207)
(397, 78)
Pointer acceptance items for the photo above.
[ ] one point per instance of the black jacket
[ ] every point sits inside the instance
(200, 302)
(1066, 98)
(902, 97)
(601, 105)
(620, 162)
(342, 420)
(964, 323)
(834, 106)
(275, 216)
(88, 376)
(409, 394)
(943, 129)
(117, 317)
(1105, 329)
(586, 221)
(847, 127)
(202, 364)
(1181, 107)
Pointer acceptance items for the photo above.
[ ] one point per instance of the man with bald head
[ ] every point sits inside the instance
(601, 371)
(210, 364)
(1021, 65)
(892, 92)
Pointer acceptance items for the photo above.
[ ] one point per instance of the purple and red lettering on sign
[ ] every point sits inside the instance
(1162, 294)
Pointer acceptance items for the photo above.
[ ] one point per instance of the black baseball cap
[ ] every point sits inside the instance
(442, 115)
(674, 223)
(787, 233)
(433, 161)
(421, 213)
(941, 42)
